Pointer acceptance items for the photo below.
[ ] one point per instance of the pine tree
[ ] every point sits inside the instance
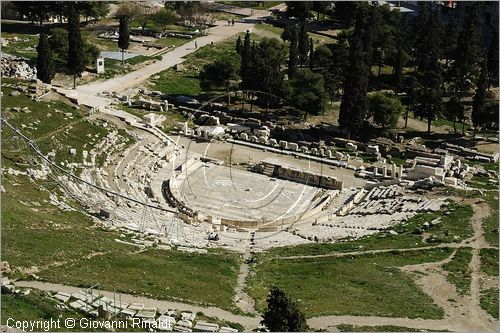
(311, 53)
(353, 108)
(44, 65)
(238, 47)
(303, 43)
(293, 53)
(123, 35)
(478, 102)
(76, 57)
(283, 313)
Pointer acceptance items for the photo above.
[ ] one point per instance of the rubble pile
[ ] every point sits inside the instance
(17, 67)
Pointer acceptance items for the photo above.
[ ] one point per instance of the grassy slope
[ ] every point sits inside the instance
(384, 328)
(490, 224)
(458, 270)
(30, 222)
(489, 261)
(35, 306)
(202, 279)
(360, 285)
(489, 301)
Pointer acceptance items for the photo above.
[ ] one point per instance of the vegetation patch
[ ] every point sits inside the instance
(489, 301)
(490, 224)
(156, 273)
(115, 67)
(458, 270)
(382, 328)
(369, 284)
(29, 221)
(184, 80)
(489, 261)
(35, 306)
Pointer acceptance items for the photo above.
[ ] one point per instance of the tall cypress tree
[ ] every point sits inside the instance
(123, 35)
(450, 40)
(303, 43)
(430, 102)
(293, 53)
(478, 102)
(76, 58)
(238, 46)
(311, 53)
(465, 66)
(245, 62)
(401, 57)
(493, 60)
(44, 64)
(353, 108)
(421, 36)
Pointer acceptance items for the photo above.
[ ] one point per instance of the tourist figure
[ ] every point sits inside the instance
(228, 22)
(232, 22)
(195, 44)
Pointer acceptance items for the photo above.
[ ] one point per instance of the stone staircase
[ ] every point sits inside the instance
(269, 170)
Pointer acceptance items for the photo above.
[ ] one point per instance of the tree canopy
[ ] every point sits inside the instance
(307, 92)
(218, 73)
(76, 57)
(385, 110)
(282, 313)
(44, 64)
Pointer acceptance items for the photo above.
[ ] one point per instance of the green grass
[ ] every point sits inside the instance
(449, 123)
(114, 67)
(253, 4)
(39, 111)
(458, 270)
(35, 306)
(171, 41)
(271, 28)
(489, 261)
(490, 224)
(482, 182)
(455, 224)
(489, 301)
(155, 273)
(36, 233)
(368, 284)
(55, 131)
(25, 47)
(172, 115)
(185, 81)
(383, 328)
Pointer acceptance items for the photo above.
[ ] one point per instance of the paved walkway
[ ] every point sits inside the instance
(176, 56)
(86, 94)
